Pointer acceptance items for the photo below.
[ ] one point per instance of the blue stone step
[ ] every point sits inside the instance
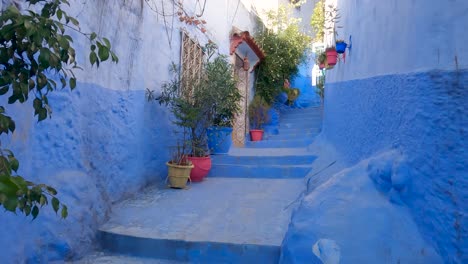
(259, 171)
(298, 142)
(263, 160)
(189, 251)
(303, 124)
(285, 135)
(219, 220)
(298, 131)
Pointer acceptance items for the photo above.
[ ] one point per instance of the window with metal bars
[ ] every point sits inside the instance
(191, 64)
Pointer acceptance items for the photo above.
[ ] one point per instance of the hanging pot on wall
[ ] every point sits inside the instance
(341, 47)
(321, 66)
(332, 56)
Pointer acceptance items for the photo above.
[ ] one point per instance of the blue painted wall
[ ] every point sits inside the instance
(391, 95)
(100, 146)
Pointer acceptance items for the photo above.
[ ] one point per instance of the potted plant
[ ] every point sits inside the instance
(223, 96)
(293, 94)
(321, 59)
(258, 115)
(341, 46)
(179, 167)
(191, 113)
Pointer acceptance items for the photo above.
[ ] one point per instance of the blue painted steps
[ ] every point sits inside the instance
(183, 250)
(272, 142)
(220, 220)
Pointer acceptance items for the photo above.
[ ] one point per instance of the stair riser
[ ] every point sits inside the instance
(232, 171)
(259, 160)
(286, 143)
(290, 136)
(190, 251)
(300, 125)
(297, 131)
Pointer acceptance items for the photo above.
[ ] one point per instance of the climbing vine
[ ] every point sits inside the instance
(36, 58)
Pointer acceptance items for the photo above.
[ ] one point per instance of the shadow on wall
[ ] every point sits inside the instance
(100, 146)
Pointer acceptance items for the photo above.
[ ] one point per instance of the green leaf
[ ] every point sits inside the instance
(11, 204)
(43, 200)
(93, 58)
(103, 53)
(4, 90)
(72, 83)
(51, 190)
(35, 212)
(59, 14)
(14, 164)
(55, 204)
(108, 44)
(64, 211)
(93, 36)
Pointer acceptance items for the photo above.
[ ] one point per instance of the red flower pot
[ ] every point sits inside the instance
(332, 57)
(321, 66)
(202, 166)
(256, 134)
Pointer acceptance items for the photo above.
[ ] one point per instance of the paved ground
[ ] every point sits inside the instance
(226, 210)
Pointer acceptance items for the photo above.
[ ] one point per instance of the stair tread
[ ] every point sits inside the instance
(257, 201)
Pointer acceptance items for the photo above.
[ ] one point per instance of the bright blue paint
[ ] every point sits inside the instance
(100, 146)
(419, 188)
(215, 221)
(219, 139)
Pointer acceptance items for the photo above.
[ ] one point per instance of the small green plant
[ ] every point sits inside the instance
(293, 94)
(258, 112)
(321, 58)
(190, 112)
(221, 91)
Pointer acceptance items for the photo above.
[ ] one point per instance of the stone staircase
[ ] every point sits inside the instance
(238, 214)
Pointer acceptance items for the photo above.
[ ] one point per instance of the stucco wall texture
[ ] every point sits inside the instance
(404, 88)
(104, 141)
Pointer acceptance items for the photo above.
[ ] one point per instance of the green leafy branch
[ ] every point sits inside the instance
(35, 53)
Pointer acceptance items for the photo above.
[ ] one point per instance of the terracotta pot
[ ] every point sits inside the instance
(256, 134)
(178, 175)
(202, 166)
(332, 57)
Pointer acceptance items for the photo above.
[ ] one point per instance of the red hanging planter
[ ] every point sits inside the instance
(321, 66)
(332, 56)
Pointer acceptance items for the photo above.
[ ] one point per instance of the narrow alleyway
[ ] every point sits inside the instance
(238, 214)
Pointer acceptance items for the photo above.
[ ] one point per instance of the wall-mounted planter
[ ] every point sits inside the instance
(332, 56)
(341, 47)
(321, 66)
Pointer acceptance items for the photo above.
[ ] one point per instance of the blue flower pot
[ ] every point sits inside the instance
(219, 139)
(341, 47)
(282, 98)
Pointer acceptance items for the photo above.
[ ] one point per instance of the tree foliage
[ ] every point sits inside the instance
(317, 21)
(36, 58)
(285, 46)
(213, 99)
